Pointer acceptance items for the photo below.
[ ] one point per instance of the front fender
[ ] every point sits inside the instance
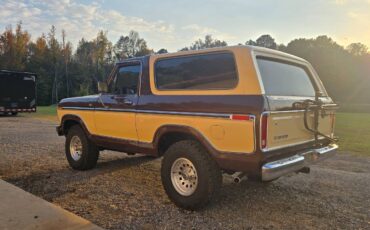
(67, 121)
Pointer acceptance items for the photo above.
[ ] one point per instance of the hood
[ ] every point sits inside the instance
(85, 101)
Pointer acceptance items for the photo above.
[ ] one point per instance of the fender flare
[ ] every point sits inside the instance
(165, 129)
(70, 117)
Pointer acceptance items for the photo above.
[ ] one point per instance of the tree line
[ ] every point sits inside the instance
(64, 72)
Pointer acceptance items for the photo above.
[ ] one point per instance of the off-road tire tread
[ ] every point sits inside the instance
(90, 152)
(208, 164)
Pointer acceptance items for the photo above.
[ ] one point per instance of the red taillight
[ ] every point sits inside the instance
(241, 117)
(264, 131)
(332, 116)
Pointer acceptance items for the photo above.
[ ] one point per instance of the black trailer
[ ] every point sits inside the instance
(17, 92)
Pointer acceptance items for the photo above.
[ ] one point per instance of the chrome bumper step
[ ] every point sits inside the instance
(276, 169)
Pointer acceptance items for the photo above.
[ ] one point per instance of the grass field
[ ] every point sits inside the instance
(353, 129)
(44, 112)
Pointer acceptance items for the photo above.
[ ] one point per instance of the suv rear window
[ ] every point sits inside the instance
(284, 79)
(209, 71)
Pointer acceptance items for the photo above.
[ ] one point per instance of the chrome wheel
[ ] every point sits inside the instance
(75, 148)
(184, 177)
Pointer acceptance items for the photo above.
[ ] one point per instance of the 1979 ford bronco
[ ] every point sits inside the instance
(255, 111)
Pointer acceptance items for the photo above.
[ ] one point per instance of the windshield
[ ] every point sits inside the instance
(284, 79)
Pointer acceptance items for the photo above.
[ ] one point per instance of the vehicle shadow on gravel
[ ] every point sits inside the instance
(51, 184)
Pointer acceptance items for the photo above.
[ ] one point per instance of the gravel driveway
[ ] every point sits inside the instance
(126, 192)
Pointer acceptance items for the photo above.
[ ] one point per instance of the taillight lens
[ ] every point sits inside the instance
(264, 120)
(332, 117)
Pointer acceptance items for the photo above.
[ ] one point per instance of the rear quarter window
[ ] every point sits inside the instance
(284, 79)
(197, 72)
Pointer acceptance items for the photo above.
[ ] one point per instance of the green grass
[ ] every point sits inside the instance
(353, 130)
(44, 112)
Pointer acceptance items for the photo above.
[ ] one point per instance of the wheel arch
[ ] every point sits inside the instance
(169, 134)
(69, 120)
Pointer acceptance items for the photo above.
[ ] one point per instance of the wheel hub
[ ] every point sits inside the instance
(75, 148)
(184, 176)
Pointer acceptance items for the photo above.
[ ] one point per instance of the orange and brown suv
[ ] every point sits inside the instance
(253, 111)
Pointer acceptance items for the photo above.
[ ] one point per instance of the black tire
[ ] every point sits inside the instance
(89, 154)
(208, 173)
(14, 113)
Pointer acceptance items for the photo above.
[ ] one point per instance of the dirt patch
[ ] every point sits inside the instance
(125, 192)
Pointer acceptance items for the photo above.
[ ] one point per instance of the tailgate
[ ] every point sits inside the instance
(286, 128)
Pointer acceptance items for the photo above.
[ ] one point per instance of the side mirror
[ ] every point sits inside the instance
(102, 87)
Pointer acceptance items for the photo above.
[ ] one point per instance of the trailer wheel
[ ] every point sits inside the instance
(81, 153)
(190, 177)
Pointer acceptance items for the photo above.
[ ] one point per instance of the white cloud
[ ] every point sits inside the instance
(78, 20)
(198, 31)
(85, 20)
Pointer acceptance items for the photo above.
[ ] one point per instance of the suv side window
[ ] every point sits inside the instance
(126, 81)
(197, 72)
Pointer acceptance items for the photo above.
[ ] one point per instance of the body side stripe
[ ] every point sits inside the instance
(219, 115)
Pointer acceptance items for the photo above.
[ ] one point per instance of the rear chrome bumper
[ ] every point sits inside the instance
(276, 169)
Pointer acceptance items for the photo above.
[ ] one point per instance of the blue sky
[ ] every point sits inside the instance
(175, 24)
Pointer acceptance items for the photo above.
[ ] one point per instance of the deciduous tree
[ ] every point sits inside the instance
(208, 42)
(131, 46)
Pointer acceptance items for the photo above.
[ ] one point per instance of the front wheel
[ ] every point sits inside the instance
(190, 177)
(81, 153)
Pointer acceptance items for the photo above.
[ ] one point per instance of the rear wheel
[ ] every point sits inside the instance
(81, 153)
(190, 177)
(14, 113)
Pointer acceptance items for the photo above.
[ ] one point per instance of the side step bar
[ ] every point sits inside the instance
(276, 169)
